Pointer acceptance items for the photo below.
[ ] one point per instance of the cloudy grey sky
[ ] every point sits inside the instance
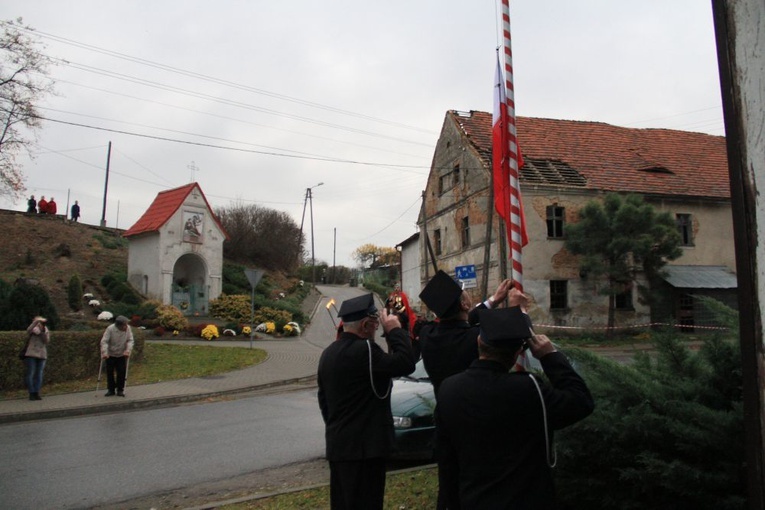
(266, 99)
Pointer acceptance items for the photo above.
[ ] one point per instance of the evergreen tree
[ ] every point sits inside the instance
(74, 292)
(666, 433)
(618, 239)
(25, 302)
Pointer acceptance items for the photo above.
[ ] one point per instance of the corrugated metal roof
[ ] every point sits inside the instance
(700, 277)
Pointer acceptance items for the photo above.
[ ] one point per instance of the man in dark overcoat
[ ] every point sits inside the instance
(354, 380)
(495, 426)
(449, 345)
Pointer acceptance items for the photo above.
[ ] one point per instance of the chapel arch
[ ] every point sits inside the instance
(190, 288)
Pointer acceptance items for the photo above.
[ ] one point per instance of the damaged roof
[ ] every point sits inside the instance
(599, 156)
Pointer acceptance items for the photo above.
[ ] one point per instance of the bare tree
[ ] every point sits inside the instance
(258, 235)
(24, 82)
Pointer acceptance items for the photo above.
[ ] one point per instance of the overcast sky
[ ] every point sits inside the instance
(267, 98)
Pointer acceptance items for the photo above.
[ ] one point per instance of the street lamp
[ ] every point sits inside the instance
(309, 198)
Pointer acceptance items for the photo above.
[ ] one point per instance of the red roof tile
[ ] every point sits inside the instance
(164, 206)
(613, 158)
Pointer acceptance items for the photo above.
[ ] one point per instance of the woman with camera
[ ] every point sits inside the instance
(35, 355)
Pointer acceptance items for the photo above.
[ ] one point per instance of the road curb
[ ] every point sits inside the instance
(132, 405)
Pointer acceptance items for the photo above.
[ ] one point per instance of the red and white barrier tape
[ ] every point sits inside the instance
(634, 326)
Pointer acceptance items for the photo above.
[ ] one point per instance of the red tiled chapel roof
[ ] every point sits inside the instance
(165, 204)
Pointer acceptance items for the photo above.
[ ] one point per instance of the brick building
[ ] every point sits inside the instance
(567, 164)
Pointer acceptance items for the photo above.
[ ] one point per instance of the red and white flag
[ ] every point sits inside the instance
(506, 156)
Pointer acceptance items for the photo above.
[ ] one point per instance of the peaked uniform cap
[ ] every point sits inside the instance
(357, 308)
(504, 327)
(441, 294)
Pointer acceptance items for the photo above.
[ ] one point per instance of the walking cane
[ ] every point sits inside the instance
(127, 367)
(98, 383)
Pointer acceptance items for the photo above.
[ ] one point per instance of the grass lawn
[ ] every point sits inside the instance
(412, 490)
(165, 362)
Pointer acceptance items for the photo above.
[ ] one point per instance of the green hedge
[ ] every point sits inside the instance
(71, 355)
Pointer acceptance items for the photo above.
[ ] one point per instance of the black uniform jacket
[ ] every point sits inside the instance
(449, 347)
(359, 425)
(491, 432)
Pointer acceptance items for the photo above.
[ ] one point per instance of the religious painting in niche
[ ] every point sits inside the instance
(193, 226)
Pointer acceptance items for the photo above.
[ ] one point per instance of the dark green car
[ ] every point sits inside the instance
(412, 403)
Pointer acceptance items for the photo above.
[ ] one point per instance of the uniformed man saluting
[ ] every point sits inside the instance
(354, 381)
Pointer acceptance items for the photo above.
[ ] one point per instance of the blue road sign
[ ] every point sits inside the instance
(466, 276)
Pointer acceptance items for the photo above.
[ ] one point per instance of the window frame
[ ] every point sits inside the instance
(465, 232)
(556, 221)
(625, 300)
(684, 222)
(558, 296)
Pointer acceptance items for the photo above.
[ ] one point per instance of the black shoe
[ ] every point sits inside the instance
(109, 393)
(37, 396)
(120, 393)
(32, 396)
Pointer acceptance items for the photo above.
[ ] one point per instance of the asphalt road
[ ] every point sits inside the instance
(92, 461)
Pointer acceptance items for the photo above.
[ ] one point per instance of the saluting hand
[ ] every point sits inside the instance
(540, 346)
(389, 321)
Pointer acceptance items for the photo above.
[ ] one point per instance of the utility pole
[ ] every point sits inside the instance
(309, 198)
(313, 254)
(740, 36)
(334, 255)
(106, 184)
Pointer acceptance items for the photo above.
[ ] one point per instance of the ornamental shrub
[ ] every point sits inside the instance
(667, 431)
(231, 308)
(268, 314)
(170, 317)
(73, 292)
(23, 303)
(148, 309)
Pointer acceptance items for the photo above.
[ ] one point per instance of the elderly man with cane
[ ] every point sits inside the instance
(116, 345)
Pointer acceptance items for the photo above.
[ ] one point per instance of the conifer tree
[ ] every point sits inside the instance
(619, 239)
(74, 292)
(25, 302)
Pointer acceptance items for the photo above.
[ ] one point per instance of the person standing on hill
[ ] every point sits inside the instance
(116, 344)
(75, 211)
(42, 205)
(35, 355)
(32, 205)
(52, 209)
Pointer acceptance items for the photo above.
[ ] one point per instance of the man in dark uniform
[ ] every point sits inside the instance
(495, 425)
(449, 346)
(354, 381)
